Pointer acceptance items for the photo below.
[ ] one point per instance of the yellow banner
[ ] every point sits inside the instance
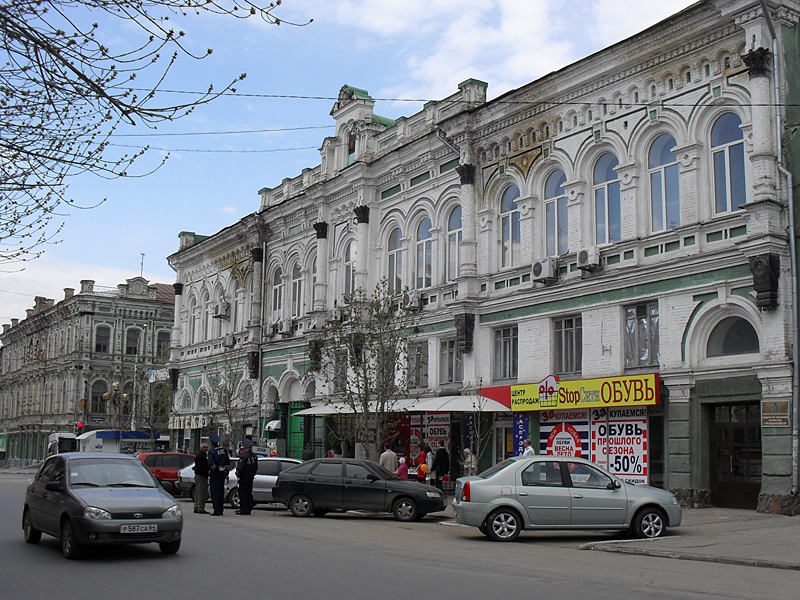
(550, 393)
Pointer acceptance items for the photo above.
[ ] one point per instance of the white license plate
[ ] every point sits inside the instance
(149, 528)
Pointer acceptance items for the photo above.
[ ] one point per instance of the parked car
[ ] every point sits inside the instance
(165, 467)
(325, 484)
(97, 498)
(552, 492)
(269, 467)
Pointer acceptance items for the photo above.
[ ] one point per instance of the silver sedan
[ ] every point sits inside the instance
(552, 492)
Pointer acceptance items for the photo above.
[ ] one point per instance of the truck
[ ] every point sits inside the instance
(115, 441)
(61, 442)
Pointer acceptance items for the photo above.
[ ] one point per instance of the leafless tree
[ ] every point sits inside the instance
(64, 91)
(229, 404)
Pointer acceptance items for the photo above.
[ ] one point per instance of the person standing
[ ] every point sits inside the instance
(429, 458)
(402, 470)
(246, 470)
(388, 459)
(308, 452)
(201, 480)
(422, 473)
(441, 464)
(470, 462)
(527, 448)
(219, 463)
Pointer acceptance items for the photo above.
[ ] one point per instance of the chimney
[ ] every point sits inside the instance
(39, 304)
(29, 312)
(87, 286)
(69, 293)
(14, 322)
(6, 327)
(50, 303)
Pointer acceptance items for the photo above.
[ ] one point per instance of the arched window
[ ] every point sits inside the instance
(187, 401)
(297, 291)
(102, 339)
(277, 296)
(350, 267)
(191, 333)
(203, 401)
(662, 165)
(555, 210)
(732, 335)
(454, 236)
(246, 399)
(395, 271)
(509, 227)
(607, 219)
(162, 345)
(206, 317)
(727, 151)
(351, 148)
(424, 254)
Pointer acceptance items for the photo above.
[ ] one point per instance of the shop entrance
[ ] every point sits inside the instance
(735, 455)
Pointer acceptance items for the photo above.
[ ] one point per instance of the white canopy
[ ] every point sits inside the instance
(273, 425)
(469, 403)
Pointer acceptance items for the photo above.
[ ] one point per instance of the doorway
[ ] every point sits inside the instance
(735, 455)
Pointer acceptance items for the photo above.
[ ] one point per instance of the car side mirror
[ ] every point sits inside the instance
(615, 484)
(54, 486)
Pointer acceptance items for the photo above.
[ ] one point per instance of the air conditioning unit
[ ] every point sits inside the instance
(285, 327)
(228, 341)
(411, 300)
(589, 258)
(221, 310)
(545, 269)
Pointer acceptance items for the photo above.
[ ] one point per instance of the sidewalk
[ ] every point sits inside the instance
(737, 537)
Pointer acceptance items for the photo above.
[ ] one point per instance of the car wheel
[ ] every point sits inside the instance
(233, 498)
(169, 547)
(70, 547)
(320, 512)
(503, 525)
(405, 509)
(301, 506)
(32, 535)
(649, 523)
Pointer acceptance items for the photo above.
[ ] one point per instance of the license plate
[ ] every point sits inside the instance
(149, 528)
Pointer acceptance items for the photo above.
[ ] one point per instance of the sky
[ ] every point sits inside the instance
(403, 52)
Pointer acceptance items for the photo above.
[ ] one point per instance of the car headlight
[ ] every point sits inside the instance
(92, 512)
(435, 494)
(172, 512)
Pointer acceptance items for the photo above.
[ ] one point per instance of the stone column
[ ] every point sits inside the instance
(321, 286)
(469, 242)
(362, 235)
(762, 158)
(257, 256)
(176, 325)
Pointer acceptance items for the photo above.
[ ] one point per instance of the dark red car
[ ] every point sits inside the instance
(165, 467)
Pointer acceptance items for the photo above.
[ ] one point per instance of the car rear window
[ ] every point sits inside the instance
(269, 467)
(328, 469)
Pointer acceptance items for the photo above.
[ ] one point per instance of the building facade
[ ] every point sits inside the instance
(93, 360)
(610, 244)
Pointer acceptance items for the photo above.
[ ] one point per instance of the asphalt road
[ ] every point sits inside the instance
(271, 554)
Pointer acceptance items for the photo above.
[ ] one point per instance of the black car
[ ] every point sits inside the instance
(97, 498)
(325, 484)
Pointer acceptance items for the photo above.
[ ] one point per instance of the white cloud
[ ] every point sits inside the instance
(228, 210)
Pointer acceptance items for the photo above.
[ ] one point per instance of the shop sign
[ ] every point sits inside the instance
(564, 433)
(436, 428)
(619, 442)
(414, 438)
(520, 433)
(552, 393)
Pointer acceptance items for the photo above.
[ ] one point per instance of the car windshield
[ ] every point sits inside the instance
(491, 471)
(96, 472)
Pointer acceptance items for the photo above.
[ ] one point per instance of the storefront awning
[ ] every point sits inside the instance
(470, 404)
(274, 425)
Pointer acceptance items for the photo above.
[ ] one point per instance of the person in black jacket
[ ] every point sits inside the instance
(246, 470)
(201, 480)
(441, 464)
(219, 463)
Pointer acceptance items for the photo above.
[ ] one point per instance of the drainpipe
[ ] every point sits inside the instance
(792, 258)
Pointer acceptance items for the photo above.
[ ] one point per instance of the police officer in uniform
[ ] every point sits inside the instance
(246, 470)
(218, 466)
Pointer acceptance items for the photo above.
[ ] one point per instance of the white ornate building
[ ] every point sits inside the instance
(624, 219)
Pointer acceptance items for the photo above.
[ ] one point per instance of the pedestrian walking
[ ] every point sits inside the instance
(219, 463)
(308, 452)
(441, 464)
(201, 480)
(429, 458)
(388, 459)
(246, 470)
(402, 469)
(421, 462)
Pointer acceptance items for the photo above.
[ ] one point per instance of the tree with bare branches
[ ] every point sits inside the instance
(64, 91)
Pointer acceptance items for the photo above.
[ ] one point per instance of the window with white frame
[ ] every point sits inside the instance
(162, 344)
(191, 334)
(395, 266)
(568, 345)
(424, 263)
(731, 336)
(727, 151)
(607, 217)
(662, 167)
(277, 296)
(555, 210)
(509, 228)
(454, 237)
(132, 341)
(641, 335)
(102, 339)
(350, 267)
(451, 362)
(418, 364)
(506, 352)
(297, 291)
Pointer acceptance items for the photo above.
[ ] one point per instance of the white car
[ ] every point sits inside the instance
(185, 481)
(269, 467)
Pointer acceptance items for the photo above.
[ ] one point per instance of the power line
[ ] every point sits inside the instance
(243, 131)
(219, 151)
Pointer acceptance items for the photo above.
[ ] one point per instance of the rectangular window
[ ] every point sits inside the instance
(641, 335)
(451, 366)
(568, 345)
(162, 345)
(506, 350)
(102, 338)
(418, 364)
(132, 342)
